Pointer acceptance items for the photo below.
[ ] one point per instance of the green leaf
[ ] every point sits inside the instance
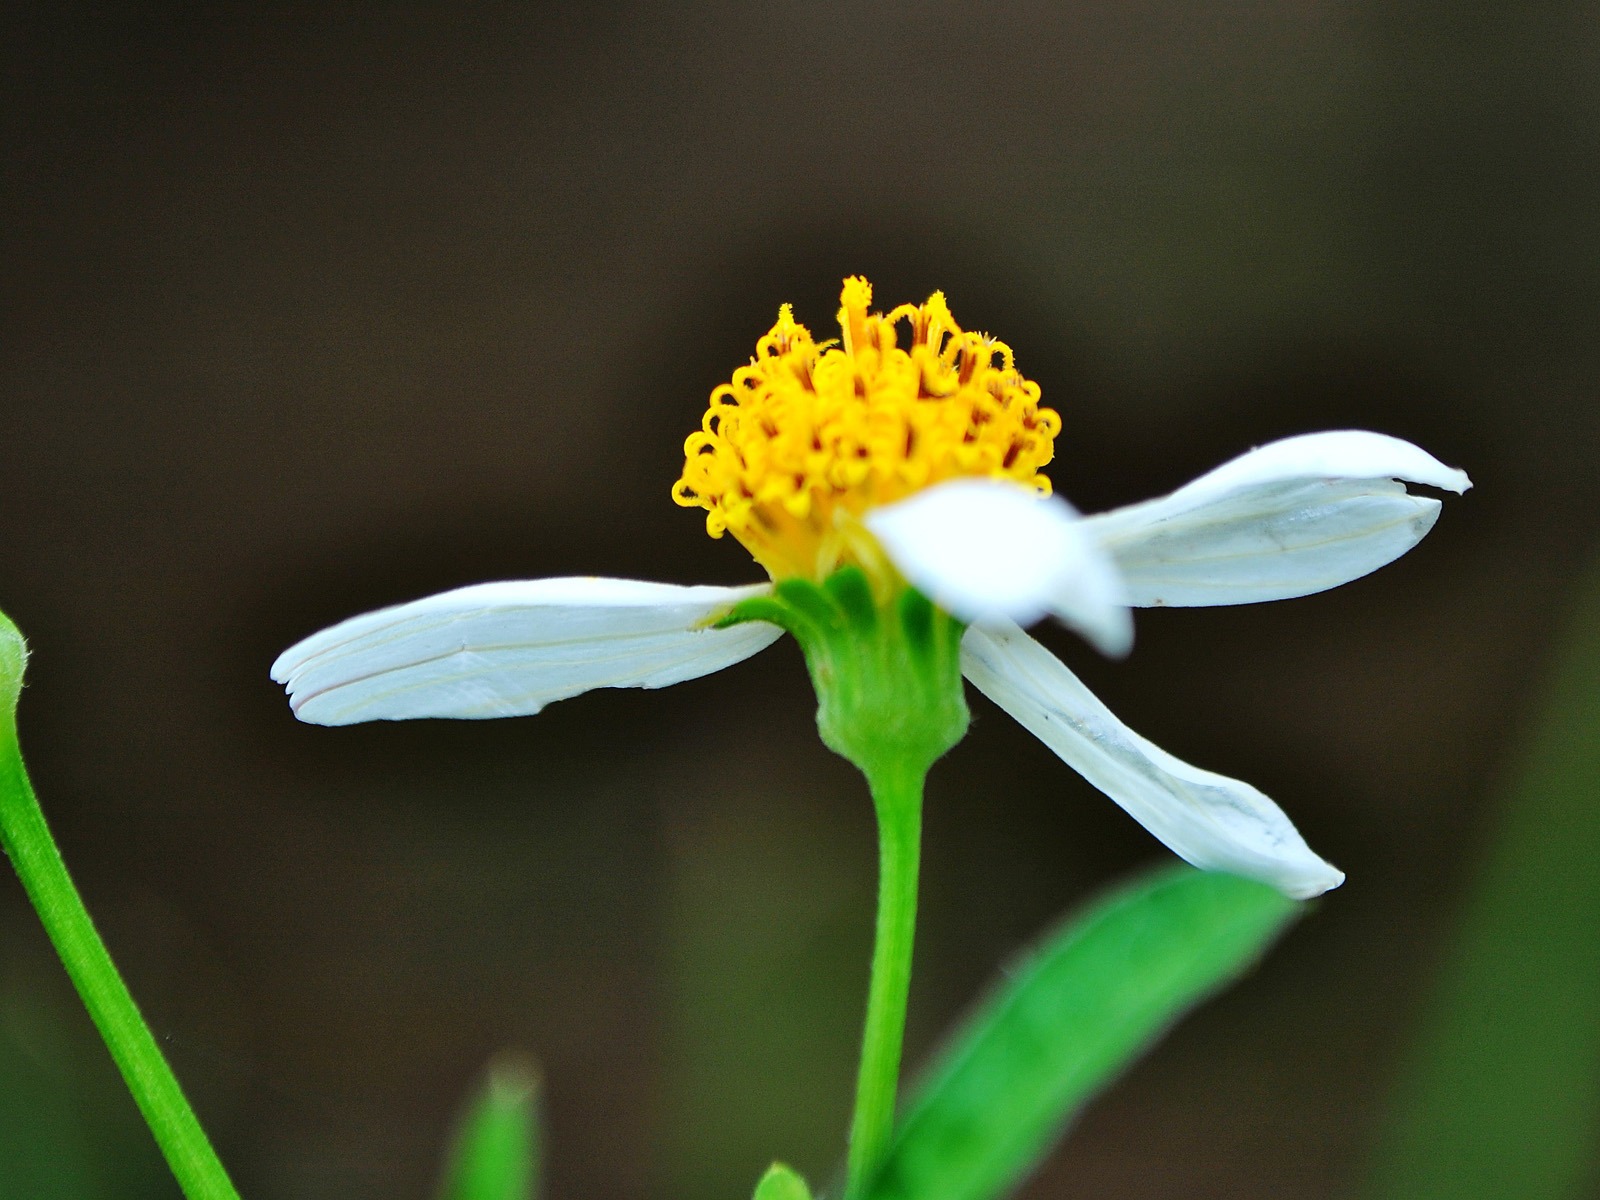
(1501, 1093)
(495, 1152)
(1068, 1019)
(781, 1183)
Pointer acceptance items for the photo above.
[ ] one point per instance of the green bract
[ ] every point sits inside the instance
(886, 668)
(13, 661)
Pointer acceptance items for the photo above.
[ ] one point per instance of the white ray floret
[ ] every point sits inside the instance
(990, 550)
(508, 649)
(1294, 517)
(1291, 518)
(1207, 819)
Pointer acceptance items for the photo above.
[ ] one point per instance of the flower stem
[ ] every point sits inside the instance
(26, 839)
(886, 666)
(897, 796)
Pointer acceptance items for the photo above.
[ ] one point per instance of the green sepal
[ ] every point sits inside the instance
(782, 1183)
(885, 664)
(494, 1154)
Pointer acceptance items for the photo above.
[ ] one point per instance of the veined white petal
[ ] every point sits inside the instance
(508, 649)
(1208, 819)
(988, 550)
(1291, 518)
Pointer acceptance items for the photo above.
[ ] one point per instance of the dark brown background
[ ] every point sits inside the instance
(316, 310)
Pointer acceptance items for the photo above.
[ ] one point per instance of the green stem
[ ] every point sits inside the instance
(26, 838)
(897, 795)
(886, 666)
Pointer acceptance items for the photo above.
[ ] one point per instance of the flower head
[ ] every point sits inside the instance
(870, 478)
(810, 436)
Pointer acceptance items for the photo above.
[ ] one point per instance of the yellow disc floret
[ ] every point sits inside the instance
(809, 436)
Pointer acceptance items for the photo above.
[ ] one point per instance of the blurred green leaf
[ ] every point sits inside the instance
(46, 1151)
(495, 1152)
(1501, 1096)
(68, 1128)
(1070, 1016)
(781, 1183)
(768, 933)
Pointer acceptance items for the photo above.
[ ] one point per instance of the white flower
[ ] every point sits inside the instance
(1291, 518)
(919, 464)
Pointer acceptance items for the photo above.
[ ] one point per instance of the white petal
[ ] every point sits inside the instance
(508, 649)
(1210, 820)
(987, 550)
(1289, 519)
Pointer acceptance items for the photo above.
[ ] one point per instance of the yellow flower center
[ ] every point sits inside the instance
(811, 435)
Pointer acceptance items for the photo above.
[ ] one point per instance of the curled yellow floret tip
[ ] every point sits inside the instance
(810, 435)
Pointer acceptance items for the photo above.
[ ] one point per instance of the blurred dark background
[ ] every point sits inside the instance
(313, 310)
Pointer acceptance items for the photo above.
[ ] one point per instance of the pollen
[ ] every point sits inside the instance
(811, 435)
